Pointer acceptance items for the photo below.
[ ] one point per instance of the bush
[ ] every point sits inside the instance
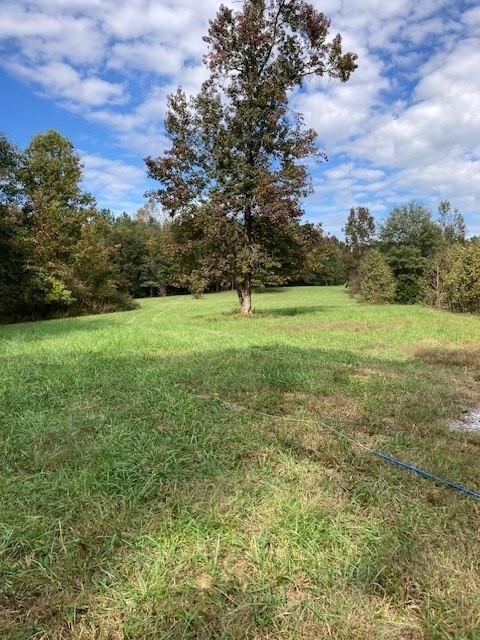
(454, 281)
(408, 267)
(462, 277)
(377, 281)
(197, 284)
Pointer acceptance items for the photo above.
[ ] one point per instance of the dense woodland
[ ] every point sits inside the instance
(62, 255)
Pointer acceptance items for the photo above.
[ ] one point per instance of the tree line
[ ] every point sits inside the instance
(233, 182)
(60, 254)
(414, 258)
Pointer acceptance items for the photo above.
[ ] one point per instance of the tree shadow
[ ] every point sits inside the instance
(153, 453)
(289, 311)
(39, 330)
(269, 290)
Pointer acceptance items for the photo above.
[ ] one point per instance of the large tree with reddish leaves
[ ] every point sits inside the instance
(234, 173)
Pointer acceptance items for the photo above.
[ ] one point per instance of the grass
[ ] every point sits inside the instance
(166, 472)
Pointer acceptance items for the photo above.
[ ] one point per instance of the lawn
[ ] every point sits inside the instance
(170, 472)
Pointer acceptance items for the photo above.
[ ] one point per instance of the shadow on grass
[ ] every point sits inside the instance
(270, 290)
(146, 461)
(39, 331)
(288, 311)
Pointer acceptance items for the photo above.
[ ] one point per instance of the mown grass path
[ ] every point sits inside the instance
(145, 493)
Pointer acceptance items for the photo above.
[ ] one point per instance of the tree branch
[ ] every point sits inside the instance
(274, 38)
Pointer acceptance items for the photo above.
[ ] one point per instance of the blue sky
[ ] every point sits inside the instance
(407, 125)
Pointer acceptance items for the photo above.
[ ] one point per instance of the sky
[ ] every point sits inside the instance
(405, 127)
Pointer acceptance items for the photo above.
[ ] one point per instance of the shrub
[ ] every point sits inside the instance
(197, 284)
(377, 281)
(462, 277)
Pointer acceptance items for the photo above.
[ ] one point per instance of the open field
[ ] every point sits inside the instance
(152, 485)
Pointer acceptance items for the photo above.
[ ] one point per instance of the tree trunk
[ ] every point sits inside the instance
(246, 296)
(438, 287)
(240, 294)
(246, 286)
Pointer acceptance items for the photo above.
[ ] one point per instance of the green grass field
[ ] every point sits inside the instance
(167, 472)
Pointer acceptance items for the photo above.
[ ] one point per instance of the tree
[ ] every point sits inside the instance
(141, 255)
(324, 262)
(56, 254)
(433, 287)
(233, 174)
(157, 269)
(359, 232)
(57, 210)
(457, 282)
(409, 239)
(94, 277)
(451, 222)
(51, 174)
(12, 237)
(129, 238)
(377, 281)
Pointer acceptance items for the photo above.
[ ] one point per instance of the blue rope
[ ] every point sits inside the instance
(420, 472)
(426, 474)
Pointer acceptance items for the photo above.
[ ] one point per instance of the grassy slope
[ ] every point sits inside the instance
(145, 493)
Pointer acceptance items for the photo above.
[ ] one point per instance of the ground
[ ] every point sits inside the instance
(170, 472)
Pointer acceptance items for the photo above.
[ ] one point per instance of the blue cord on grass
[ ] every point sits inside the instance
(420, 472)
(426, 474)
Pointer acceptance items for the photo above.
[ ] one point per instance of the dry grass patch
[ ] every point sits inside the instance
(468, 356)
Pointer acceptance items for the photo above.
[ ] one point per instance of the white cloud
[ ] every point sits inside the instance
(42, 36)
(146, 55)
(113, 181)
(63, 81)
(141, 129)
(472, 17)
(405, 125)
(339, 111)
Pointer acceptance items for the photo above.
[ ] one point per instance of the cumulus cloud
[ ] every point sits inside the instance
(62, 81)
(405, 126)
(114, 182)
(412, 113)
(44, 36)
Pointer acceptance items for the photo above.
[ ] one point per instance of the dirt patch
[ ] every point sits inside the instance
(204, 582)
